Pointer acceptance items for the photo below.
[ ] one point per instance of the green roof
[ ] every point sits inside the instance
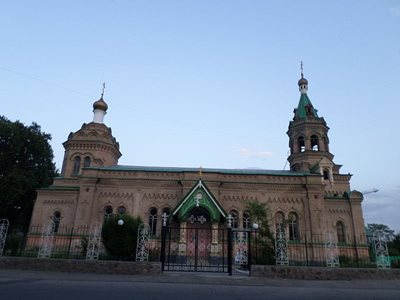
(65, 188)
(204, 170)
(301, 111)
(208, 201)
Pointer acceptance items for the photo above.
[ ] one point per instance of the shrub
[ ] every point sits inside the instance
(120, 240)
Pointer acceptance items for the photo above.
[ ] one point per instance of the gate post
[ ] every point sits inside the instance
(381, 250)
(249, 251)
(3, 234)
(230, 247)
(163, 240)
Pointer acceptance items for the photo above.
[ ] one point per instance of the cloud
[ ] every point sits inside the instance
(395, 11)
(382, 207)
(245, 152)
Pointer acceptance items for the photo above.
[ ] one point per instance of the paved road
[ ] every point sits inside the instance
(177, 286)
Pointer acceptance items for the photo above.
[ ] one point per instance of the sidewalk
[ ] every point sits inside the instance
(7, 276)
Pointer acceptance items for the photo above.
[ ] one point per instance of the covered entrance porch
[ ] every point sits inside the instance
(198, 237)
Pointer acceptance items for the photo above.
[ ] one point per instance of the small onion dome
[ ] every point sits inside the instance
(100, 104)
(303, 81)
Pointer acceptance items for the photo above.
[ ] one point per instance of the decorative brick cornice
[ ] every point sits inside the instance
(164, 196)
(284, 200)
(341, 211)
(59, 201)
(119, 195)
(236, 198)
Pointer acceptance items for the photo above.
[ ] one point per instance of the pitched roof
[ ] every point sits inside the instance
(301, 111)
(209, 202)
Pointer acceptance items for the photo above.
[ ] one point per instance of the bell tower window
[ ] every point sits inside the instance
(314, 143)
(77, 165)
(301, 143)
(326, 174)
(309, 110)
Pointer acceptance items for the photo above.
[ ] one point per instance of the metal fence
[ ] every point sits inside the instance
(66, 242)
(317, 250)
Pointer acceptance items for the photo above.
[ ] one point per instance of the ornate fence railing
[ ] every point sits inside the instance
(316, 250)
(81, 242)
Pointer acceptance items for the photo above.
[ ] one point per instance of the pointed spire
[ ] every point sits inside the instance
(305, 109)
(100, 108)
(301, 68)
(104, 86)
(303, 83)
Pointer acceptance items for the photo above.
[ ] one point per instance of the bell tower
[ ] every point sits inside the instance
(91, 146)
(308, 138)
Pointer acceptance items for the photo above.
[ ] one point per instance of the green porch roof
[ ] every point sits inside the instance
(207, 200)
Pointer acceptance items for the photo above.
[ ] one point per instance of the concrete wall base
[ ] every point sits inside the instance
(322, 273)
(82, 266)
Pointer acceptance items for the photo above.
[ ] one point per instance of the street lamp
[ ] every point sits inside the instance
(120, 222)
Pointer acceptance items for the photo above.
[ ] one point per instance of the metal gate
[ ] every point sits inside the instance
(202, 248)
(196, 248)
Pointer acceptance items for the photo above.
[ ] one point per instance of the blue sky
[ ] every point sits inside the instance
(213, 83)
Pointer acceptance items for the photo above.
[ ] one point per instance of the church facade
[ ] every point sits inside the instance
(312, 198)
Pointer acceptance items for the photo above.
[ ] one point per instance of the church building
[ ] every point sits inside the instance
(312, 198)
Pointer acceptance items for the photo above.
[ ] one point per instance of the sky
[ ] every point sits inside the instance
(213, 83)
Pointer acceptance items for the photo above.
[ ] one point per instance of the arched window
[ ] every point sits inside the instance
(293, 227)
(279, 221)
(341, 237)
(166, 211)
(108, 210)
(153, 220)
(301, 144)
(121, 210)
(314, 143)
(56, 221)
(77, 165)
(309, 110)
(235, 218)
(86, 162)
(246, 220)
(326, 174)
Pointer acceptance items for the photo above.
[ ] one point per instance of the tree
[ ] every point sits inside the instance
(26, 164)
(389, 233)
(264, 240)
(120, 239)
(394, 246)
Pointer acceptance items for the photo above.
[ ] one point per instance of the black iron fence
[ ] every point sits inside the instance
(72, 243)
(317, 250)
(66, 242)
